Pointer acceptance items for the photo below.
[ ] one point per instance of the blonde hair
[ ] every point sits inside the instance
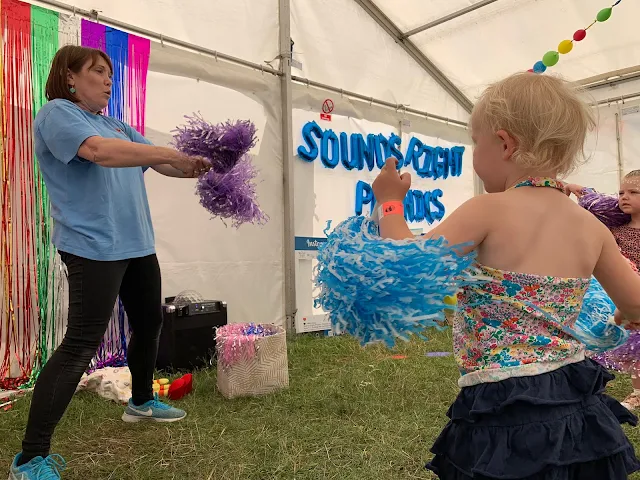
(544, 115)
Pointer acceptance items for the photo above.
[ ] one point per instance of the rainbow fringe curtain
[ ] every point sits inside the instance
(32, 300)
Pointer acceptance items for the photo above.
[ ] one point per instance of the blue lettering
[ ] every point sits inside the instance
(456, 161)
(413, 153)
(394, 143)
(440, 210)
(310, 153)
(364, 196)
(330, 161)
(383, 151)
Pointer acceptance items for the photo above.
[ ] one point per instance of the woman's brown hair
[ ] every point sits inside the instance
(70, 57)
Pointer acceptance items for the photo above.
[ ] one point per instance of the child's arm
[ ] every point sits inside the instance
(618, 279)
(577, 190)
(468, 224)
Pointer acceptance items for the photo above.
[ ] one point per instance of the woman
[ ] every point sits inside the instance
(93, 168)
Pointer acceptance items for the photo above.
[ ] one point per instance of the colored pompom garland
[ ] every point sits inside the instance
(594, 326)
(232, 195)
(224, 144)
(605, 208)
(378, 290)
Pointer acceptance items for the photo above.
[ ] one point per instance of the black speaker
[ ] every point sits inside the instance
(188, 333)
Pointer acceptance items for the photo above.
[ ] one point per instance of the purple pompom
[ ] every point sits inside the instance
(232, 195)
(223, 144)
(623, 358)
(605, 208)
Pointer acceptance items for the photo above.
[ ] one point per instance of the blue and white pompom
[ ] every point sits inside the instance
(378, 290)
(595, 326)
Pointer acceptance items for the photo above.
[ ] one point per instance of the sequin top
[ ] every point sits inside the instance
(628, 239)
(511, 326)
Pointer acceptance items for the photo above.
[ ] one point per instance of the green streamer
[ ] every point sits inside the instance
(44, 45)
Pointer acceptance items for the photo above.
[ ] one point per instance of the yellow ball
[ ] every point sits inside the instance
(565, 46)
(450, 300)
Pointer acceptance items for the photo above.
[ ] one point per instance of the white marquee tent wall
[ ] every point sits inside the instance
(347, 52)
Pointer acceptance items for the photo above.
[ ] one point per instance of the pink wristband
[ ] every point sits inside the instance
(391, 208)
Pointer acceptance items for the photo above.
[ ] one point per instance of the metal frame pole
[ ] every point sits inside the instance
(287, 163)
(449, 17)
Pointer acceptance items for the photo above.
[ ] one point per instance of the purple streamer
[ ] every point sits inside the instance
(232, 195)
(605, 208)
(223, 144)
(93, 35)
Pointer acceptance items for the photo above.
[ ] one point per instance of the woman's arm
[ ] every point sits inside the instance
(117, 153)
(169, 171)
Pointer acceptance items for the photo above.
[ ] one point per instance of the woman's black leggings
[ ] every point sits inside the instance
(93, 289)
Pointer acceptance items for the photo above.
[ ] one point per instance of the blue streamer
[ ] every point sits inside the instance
(380, 290)
(118, 50)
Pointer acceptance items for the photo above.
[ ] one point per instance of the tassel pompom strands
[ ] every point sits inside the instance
(605, 208)
(594, 326)
(380, 290)
(227, 190)
(232, 195)
(224, 144)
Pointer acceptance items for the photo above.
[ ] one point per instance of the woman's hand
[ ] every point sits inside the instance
(191, 167)
(390, 185)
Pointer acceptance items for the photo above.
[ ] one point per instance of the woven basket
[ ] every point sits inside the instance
(264, 372)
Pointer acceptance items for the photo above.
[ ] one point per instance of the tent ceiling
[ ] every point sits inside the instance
(506, 36)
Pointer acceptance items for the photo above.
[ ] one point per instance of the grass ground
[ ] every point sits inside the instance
(348, 414)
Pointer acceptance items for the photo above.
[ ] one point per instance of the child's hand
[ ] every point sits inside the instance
(577, 190)
(390, 185)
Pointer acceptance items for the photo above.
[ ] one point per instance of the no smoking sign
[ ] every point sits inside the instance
(327, 108)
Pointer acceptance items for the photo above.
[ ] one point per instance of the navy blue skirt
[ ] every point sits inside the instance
(555, 426)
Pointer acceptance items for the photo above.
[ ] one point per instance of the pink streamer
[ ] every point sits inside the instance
(139, 52)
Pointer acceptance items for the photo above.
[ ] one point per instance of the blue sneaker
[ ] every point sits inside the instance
(38, 468)
(153, 410)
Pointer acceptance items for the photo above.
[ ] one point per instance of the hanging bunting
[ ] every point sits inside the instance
(19, 309)
(552, 57)
(130, 58)
(32, 316)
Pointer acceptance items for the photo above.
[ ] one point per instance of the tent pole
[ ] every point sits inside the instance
(287, 160)
(449, 17)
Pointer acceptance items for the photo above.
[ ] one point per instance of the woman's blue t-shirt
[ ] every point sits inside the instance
(99, 213)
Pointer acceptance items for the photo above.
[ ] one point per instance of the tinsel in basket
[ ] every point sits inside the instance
(232, 195)
(380, 290)
(237, 341)
(224, 144)
(605, 208)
